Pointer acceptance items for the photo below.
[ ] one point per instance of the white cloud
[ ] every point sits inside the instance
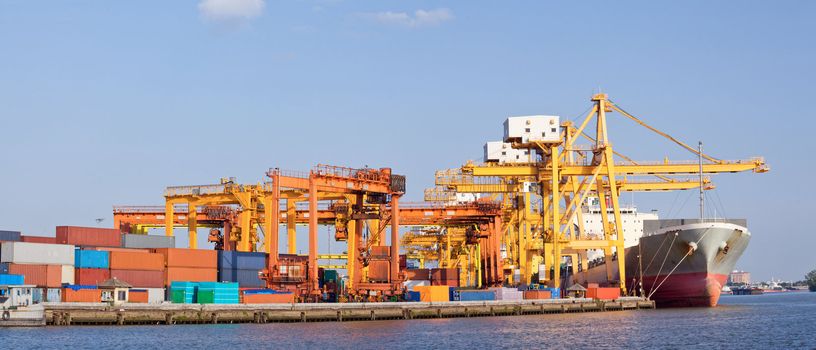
(230, 10)
(418, 19)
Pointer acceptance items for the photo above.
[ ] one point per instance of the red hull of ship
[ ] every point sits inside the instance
(686, 289)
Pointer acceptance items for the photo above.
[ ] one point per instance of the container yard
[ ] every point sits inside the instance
(475, 247)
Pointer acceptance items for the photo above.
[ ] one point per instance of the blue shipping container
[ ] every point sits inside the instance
(555, 293)
(6, 279)
(91, 259)
(4, 267)
(245, 278)
(412, 296)
(474, 295)
(232, 260)
(13, 236)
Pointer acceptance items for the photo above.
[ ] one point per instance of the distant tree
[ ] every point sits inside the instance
(811, 280)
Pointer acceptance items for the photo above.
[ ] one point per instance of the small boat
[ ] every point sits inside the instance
(17, 308)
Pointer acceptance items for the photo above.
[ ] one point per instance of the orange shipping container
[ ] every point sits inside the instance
(136, 261)
(603, 293)
(537, 294)
(81, 296)
(34, 274)
(269, 298)
(180, 257)
(111, 249)
(137, 296)
(433, 293)
(190, 274)
(378, 270)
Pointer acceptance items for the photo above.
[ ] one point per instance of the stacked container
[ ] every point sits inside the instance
(138, 296)
(148, 241)
(92, 267)
(241, 267)
(217, 293)
(603, 293)
(43, 265)
(139, 269)
(433, 293)
(39, 239)
(534, 294)
(11, 280)
(10, 236)
(189, 265)
(445, 277)
(89, 236)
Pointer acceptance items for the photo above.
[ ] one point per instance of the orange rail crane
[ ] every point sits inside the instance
(367, 191)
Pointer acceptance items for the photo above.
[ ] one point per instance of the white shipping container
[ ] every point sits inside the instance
(37, 253)
(148, 241)
(155, 295)
(544, 128)
(67, 274)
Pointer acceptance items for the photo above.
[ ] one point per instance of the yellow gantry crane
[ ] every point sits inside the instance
(564, 173)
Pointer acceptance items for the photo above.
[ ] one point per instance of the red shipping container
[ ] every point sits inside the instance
(140, 278)
(120, 260)
(81, 296)
(39, 239)
(537, 294)
(137, 296)
(181, 257)
(89, 236)
(91, 277)
(418, 274)
(190, 274)
(449, 283)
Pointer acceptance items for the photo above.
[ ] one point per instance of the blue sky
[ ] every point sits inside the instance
(107, 103)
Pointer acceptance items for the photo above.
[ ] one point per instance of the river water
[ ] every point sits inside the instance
(778, 321)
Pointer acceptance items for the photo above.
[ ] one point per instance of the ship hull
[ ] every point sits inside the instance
(684, 265)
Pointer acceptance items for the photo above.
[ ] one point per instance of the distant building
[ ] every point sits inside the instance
(739, 277)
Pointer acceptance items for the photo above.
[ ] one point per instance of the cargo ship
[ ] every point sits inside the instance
(680, 262)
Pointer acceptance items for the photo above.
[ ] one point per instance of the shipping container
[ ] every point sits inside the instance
(474, 295)
(37, 253)
(537, 294)
(267, 297)
(53, 295)
(182, 292)
(91, 276)
(138, 296)
(115, 249)
(67, 274)
(217, 293)
(603, 293)
(180, 257)
(412, 296)
(409, 285)
(155, 295)
(233, 260)
(136, 261)
(11, 280)
(12, 236)
(507, 293)
(190, 274)
(244, 278)
(38, 275)
(89, 236)
(81, 295)
(91, 259)
(448, 274)
(418, 274)
(433, 293)
(148, 241)
(449, 283)
(4, 268)
(140, 278)
(39, 239)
